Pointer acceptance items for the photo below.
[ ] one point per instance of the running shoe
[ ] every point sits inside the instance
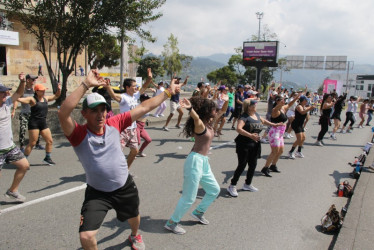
(175, 228)
(228, 122)
(343, 131)
(39, 147)
(200, 217)
(291, 155)
(333, 137)
(349, 131)
(155, 115)
(49, 161)
(232, 191)
(141, 154)
(165, 129)
(178, 126)
(136, 242)
(232, 128)
(290, 135)
(162, 115)
(15, 196)
(274, 168)
(360, 126)
(299, 154)
(263, 140)
(318, 143)
(249, 188)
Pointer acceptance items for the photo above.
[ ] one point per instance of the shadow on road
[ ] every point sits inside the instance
(64, 180)
(169, 155)
(338, 176)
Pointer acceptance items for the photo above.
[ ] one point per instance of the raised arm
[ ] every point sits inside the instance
(289, 105)
(56, 95)
(67, 123)
(114, 96)
(185, 81)
(27, 100)
(147, 82)
(21, 87)
(199, 125)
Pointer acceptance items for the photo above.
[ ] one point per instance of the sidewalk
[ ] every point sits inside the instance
(357, 231)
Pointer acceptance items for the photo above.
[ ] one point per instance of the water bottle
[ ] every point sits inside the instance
(341, 190)
(358, 167)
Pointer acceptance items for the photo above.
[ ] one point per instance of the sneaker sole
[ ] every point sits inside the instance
(197, 219)
(231, 194)
(49, 164)
(249, 190)
(15, 199)
(168, 228)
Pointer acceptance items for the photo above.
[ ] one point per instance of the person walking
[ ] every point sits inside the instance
(291, 116)
(350, 114)
(9, 152)
(174, 106)
(128, 101)
(222, 104)
(238, 103)
(230, 108)
(40, 69)
(363, 110)
(301, 112)
(97, 145)
(370, 112)
(338, 107)
(248, 145)
(140, 129)
(324, 120)
(275, 135)
(196, 170)
(38, 120)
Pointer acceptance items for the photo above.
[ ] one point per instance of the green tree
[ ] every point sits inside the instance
(152, 62)
(225, 74)
(103, 51)
(66, 26)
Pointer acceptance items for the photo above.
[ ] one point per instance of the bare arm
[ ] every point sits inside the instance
(21, 87)
(67, 123)
(114, 96)
(147, 82)
(304, 111)
(56, 95)
(199, 125)
(241, 131)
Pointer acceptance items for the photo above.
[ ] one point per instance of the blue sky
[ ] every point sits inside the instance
(306, 27)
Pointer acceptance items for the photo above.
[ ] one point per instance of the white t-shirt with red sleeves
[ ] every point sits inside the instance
(101, 155)
(128, 103)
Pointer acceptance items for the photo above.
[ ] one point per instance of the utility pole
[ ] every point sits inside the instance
(259, 17)
(259, 68)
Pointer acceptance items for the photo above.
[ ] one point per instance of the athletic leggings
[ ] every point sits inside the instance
(247, 154)
(324, 127)
(141, 132)
(161, 108)
(349, 117)
(196, 171)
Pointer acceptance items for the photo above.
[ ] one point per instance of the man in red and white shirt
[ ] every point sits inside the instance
(97, 145)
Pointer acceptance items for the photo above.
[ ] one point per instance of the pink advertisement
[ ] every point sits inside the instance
(329, 85)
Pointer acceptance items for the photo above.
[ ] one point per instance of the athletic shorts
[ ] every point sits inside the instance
(10, 155)
(37, 124)
(275, 136)
(129, 138)
(290, 113)
(237, 112)
(336, 116)
(174, 106)
(125, 201)
(297, 129)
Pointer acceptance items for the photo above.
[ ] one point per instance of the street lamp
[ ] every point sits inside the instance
(259, 17)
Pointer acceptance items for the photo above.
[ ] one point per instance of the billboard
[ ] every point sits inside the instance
(314, 62)
(295, 62)
(336, 63)
(260, 53)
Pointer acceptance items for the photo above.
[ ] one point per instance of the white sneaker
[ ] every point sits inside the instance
(263, 140)
(141, 154)
(291, 155)
(318, 143)
(290, 135)
(343, 131)
(165, 129)
(232, 191)
(360, 126)
(299, 154)
(333, 137)
(155, 115)
(349, 131)
(249, 188)
(162, 115)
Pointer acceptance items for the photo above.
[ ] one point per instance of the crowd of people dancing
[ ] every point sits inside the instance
(100, 142)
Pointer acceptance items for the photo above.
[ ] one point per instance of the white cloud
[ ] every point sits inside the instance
(307, 27)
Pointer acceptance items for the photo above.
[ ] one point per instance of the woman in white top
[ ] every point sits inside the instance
(350, 114)
(162, 107)
(290, 115)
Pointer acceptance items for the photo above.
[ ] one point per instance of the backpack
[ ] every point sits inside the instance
(331, 221)
(347, 190)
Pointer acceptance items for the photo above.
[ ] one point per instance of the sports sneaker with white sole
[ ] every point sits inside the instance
(232, 191)
(318, 143)
(200, 217)
(15, 196)
(291, 155)
(175, 228)
(137, 242)
(249, 188)
(165, 129)
(299, 154)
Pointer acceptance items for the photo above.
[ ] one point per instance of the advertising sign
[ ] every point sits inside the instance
(260, 53)
(329, 85)
(9, 37)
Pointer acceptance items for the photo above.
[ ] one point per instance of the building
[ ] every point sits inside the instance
(364, 86)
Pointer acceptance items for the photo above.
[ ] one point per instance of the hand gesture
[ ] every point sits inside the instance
(22, 77)
(94, 79)
(149, 73)
(185, 103)
(255, 137)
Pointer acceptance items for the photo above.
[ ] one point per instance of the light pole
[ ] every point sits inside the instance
(259, 17)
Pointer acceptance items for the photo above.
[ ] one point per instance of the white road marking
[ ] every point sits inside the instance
(222, 144)
(48, 197)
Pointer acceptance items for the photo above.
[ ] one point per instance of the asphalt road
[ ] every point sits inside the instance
(284, 214)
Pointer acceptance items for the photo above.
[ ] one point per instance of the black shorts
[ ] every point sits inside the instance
(297, 128)
(336, 116)
(124, 200)
(37, 124)
(237, 112)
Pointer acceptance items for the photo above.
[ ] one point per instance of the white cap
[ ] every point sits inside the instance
(92, 100)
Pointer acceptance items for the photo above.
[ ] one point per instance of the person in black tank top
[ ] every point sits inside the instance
(276, 141)
(301, 113)
(324, 120)
(248, 145)
(38, 120)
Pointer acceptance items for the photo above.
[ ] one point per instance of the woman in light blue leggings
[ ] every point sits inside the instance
(196, 168)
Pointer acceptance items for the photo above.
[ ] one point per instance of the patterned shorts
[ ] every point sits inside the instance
(276, 136)
(12, 155)
(129, 138)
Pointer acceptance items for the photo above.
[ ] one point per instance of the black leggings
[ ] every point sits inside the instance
(247, 154)
(349, 117)
(324, 127)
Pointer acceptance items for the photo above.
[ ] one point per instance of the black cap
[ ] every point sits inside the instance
(144, 97)
(28, 76)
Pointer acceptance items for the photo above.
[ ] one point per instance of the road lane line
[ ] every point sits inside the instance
(48, 197)
(222, 144)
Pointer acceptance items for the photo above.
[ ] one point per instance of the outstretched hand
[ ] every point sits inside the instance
(21, 77)
(185, 103)
(94, 79)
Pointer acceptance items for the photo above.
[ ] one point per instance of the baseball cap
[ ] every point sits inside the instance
(3, 88)
(144, 97)
(93, 100)
(33, 77)
(207, 84)
(240, 86)
(222, 87)
(253, 102)
(40, 87)
(303, 98)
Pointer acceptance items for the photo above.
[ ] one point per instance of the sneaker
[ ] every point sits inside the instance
(49, 161)
(15, 195)
(263, 140)
(233, 128)
(305, 129)
(228, 122)
(155, 115)
(249, 188)
(141, 154)
(162, 115)
(136, 242)
(200, 218)
(165, 129)
(178, 126)
(299, 154)
(175, 228)
(219, 132)
(22, 149)
(290, 135)
(291, 155)
(39, 147)
(274, 168)
(318, 143)
(349, 131)
(266, 171)
(343, 131)
(232, 191)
